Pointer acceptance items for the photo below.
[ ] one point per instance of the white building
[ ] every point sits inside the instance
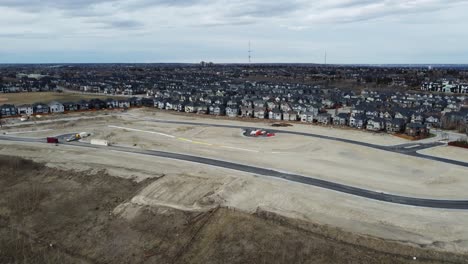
(56, 107)
(25, 109)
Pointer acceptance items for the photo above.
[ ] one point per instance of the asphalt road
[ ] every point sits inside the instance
(401, 149)
(369, 194)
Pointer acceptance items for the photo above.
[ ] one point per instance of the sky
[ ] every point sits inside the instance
(280, 31)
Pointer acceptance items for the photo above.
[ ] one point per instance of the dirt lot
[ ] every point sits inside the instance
(49, 215)
(45, 97)
(194, 188)
(329, 160)
(448, 152)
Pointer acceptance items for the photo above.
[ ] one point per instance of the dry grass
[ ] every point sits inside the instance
(45, 97)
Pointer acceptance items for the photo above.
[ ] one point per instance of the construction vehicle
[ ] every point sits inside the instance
(74, 137)
(84, 134)
(78, 136)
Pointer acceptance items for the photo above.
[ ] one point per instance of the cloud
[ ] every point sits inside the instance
(295, 13)
(31, 5)
(203, 25)
(349, 11)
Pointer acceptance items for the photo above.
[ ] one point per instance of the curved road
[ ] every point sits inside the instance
(379, 196)
(401, 149)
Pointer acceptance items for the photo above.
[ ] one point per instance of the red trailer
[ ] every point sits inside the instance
(52, 140)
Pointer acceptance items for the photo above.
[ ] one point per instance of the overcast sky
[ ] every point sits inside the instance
(351, 31)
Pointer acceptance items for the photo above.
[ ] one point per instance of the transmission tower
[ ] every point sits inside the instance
(250, 54)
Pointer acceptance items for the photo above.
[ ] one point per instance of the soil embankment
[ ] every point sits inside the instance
(49, 215)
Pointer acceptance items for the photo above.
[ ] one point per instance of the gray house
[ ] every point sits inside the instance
(232, 111)
(357, 121)
(341, 119)
(260, 112)
(375, 124)
(324, 118)
(56, 107)
(219, 110)
(7, 110)
(40, 108)
(396, 125)
(275, 114)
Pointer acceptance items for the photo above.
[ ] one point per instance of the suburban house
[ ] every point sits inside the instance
(25, 109)
(219, 110)
(135, 102)
(56, 107)
(40, 108)
(247, 111)
(387, 115)
(147, 102)
(211, 109)
(275, 114)
(403, 114)
(341, 119)
(416, 130)
(180, 106)
(97, 104)
(432, 120)
(112, 103)
(8, 110)
(124, 103)
(190, 108)
(161, 103)
(290, 115)
(417, 118)
(307, 117)
(358, 121)
(167, 105)
(324, 118)
(375, 124)
(259, 103)
(202, 109)
(232, 111)
(70, 106)
(83, 105)
(396, 125)
(259, 112)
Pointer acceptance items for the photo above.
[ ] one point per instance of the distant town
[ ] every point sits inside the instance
(407, 100)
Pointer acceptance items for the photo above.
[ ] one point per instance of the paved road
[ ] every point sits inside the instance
(404, 149)
(369, 194)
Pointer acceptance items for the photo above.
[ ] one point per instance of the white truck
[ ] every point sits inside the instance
(99, 142)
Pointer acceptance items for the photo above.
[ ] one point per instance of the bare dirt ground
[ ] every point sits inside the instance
(193, 188)
(448, 152)
(341, 162)
(49, 215)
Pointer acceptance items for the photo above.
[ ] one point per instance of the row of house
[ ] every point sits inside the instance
(374, 111)
(9, 110)
(445, 86)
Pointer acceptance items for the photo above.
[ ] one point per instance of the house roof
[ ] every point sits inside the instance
(55, 103)
(415, 125)
(342, 115)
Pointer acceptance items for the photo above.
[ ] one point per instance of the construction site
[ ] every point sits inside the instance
(194, 182)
